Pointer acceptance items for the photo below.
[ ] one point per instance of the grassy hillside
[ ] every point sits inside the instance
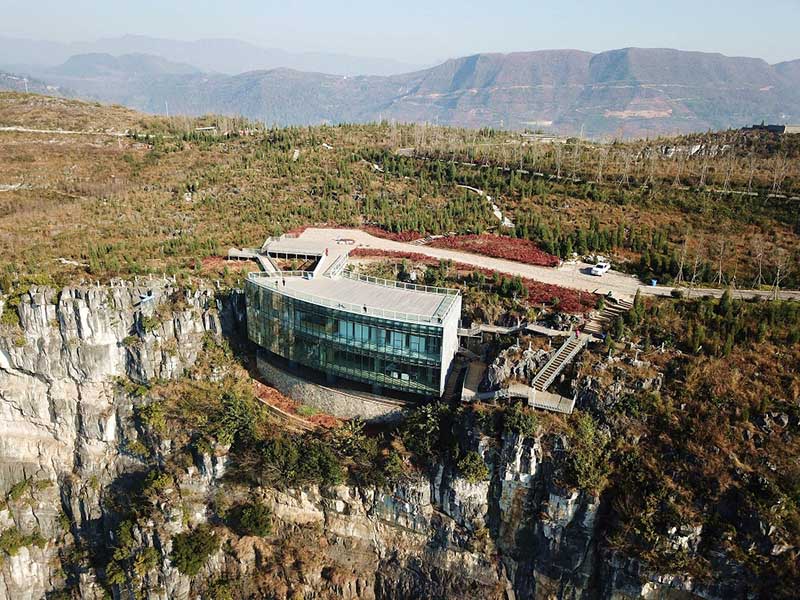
(141, 194)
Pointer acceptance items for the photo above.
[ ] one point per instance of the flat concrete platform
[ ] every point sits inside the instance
(377, 299)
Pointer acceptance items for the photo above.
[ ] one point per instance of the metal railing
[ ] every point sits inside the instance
(280, 274)
(401, 284)
(559, 360)
(337, 266)
(272, 281)
(290, 251)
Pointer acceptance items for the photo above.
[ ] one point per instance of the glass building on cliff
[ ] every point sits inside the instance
(388, 334)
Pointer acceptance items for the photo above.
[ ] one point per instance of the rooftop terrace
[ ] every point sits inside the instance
(365, 295)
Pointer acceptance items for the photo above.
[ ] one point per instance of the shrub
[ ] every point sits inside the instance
(145, 561)
(149, 324)
(306, 411)
(18, 490)
(157, 482)
(252, 519)
(472, 467)
(421, 431)
(191, 549)
(676, 293)
(587, 461)
(137, 448)
(235, 419)
(219, 590)
(10, 316)
(520, 420)
(290, 460)
(12, 540)
(394, 467)
(496, 246)
(154, 416)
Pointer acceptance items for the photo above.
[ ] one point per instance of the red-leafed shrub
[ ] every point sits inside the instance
(402, 236)
(498, 246)
(395, 254)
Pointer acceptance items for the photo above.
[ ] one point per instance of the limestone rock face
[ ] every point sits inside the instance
(61, 416)
(65, 427)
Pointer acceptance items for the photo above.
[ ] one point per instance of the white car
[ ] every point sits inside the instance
(601, 268)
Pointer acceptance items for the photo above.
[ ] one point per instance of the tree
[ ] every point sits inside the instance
(619, 328)
(473, 468)
(253, 519)
(520, 420)
(636, 314)
(587, 464)
(191, 549)
(725, 306)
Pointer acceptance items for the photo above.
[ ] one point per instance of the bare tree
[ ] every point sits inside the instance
(781, 268)
(576, 160)
(626, 165)
(780, 170)
(681, 159)
(681, 264)
(650, 179)
(557, 156)
(703, 172)
(751, 171)
(601, 160)
(720, 278)
(726, 185)
(695, 271)
(759, 249)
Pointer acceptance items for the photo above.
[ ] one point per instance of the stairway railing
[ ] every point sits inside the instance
(543, 381)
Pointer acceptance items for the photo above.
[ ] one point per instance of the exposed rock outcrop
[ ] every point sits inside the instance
(67, 435)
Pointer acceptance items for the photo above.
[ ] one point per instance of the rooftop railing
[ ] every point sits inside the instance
(280, 274)
(401, 284)
(338, 266)
(272, 281)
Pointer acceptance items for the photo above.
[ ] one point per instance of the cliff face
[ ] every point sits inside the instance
(67, 435)
(62, 418)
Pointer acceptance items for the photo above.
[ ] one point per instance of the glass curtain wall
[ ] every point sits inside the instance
(394, 354)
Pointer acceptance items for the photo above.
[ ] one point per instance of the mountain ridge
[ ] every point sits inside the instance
(624, 92)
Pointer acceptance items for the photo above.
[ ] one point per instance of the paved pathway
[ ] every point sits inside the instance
(573, 275)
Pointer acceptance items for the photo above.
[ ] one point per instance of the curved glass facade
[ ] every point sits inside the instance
(397, 354)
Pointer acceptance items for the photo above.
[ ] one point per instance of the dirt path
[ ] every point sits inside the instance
(18, 129)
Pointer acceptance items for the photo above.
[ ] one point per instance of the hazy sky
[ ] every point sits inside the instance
(423, 32)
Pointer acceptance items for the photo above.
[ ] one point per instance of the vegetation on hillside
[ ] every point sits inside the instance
(165, 197)
(709, 454)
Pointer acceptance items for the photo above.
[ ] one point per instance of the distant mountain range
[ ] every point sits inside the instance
(627, 92)
(225, 56)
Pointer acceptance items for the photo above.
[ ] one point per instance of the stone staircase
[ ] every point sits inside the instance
(612, 308)
(559, 360)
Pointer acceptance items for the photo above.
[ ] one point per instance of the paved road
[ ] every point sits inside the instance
(571, 275)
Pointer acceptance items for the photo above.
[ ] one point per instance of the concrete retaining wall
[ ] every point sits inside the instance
(326, 399)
